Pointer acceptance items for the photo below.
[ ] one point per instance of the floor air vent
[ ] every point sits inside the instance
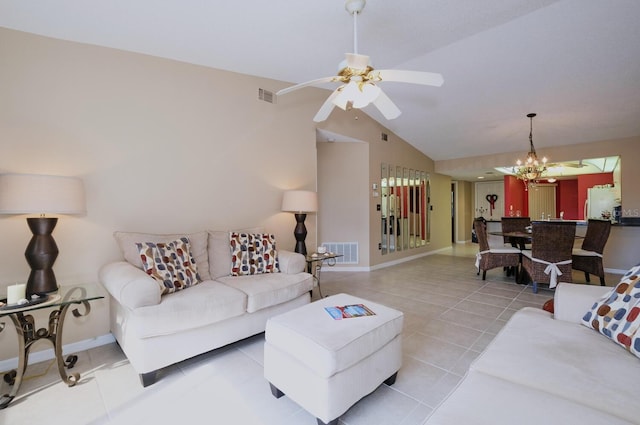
(348, 250)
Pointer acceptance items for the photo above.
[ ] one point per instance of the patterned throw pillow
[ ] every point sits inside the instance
(170, 264)
(253, 253)
(617, 314)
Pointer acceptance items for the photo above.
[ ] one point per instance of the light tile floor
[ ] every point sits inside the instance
(450, 317)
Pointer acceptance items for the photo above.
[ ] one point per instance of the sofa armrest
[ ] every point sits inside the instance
(291, 262)
(129, 285)
(572, 301)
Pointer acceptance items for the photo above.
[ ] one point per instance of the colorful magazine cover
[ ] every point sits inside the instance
(348, 311)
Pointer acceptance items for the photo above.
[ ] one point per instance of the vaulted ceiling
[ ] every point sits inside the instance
(576, 63)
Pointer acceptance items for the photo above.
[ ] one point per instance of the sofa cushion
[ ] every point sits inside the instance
(253, 253)
(482, 399)
(170, 264)
(266, 290)
(219, 252)
(127, 243)
(206, 303)
(617, 314)
(566, 360)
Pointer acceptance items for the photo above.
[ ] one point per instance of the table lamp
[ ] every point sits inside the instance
(41, 194)
(300, 202)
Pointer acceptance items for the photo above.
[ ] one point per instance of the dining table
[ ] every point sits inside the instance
(519, 239)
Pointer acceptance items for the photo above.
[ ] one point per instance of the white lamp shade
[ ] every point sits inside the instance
(300, 201)
(40, 194)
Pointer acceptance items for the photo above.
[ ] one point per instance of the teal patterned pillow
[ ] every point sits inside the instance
(617, 314)
(170, 264)
(253, 253)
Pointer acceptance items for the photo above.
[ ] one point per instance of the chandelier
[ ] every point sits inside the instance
(531, 169)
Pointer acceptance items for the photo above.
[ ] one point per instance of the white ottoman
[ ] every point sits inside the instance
(327, 365)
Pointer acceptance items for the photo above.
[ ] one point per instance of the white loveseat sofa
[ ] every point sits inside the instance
(548, 369)
(157, 330)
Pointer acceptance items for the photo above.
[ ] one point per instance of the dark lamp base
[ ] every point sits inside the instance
(41, 253)
(300, 232)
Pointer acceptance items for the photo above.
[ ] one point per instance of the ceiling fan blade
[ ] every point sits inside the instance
(326, 108)
(414, 77)
(386, 106)
(306, 84)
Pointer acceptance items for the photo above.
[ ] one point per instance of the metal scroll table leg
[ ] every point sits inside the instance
(26, 337)
(56, 322)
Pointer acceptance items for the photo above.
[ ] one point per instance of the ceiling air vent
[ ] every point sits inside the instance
(266, 95)
(384, 137)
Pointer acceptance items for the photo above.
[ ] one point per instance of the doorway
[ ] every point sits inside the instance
(454, 187)
(542, 201)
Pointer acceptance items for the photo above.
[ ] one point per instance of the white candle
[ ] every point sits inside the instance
(16, 293)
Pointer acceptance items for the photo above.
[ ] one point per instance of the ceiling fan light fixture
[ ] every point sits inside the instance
(357, 95)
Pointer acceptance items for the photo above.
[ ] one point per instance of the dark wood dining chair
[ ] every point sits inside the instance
(588, 258)
(549, 260)
(513, 224)
(489, 258)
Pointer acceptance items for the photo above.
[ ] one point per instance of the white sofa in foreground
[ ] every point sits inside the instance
(551, 369)
(157, 330)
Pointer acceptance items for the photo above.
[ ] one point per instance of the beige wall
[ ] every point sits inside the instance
(348, 207)
(161, 146)
(394, 151)
(343, 178)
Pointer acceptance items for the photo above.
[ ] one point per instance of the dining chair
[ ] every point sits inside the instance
(514, 224)
(489, 258)
(588, 258)
(550, 255)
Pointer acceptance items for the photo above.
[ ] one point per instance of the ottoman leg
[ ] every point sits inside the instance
(392, 379)
(333, 422)
(275, 391)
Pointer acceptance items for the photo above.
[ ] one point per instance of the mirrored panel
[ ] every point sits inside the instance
(404, 208)
(384, 206)
(397, 222)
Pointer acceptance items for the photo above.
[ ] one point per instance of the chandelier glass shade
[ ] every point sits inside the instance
(532, 169)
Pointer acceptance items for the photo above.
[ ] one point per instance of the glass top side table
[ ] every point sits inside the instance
(315, 262)
(28, 334)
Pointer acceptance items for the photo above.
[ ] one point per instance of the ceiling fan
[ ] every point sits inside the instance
(358, 78)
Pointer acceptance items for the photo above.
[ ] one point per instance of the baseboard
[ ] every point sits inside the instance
(615, 271)
(405, 259)
(74, 347)
(330, 269)
(382, 265)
